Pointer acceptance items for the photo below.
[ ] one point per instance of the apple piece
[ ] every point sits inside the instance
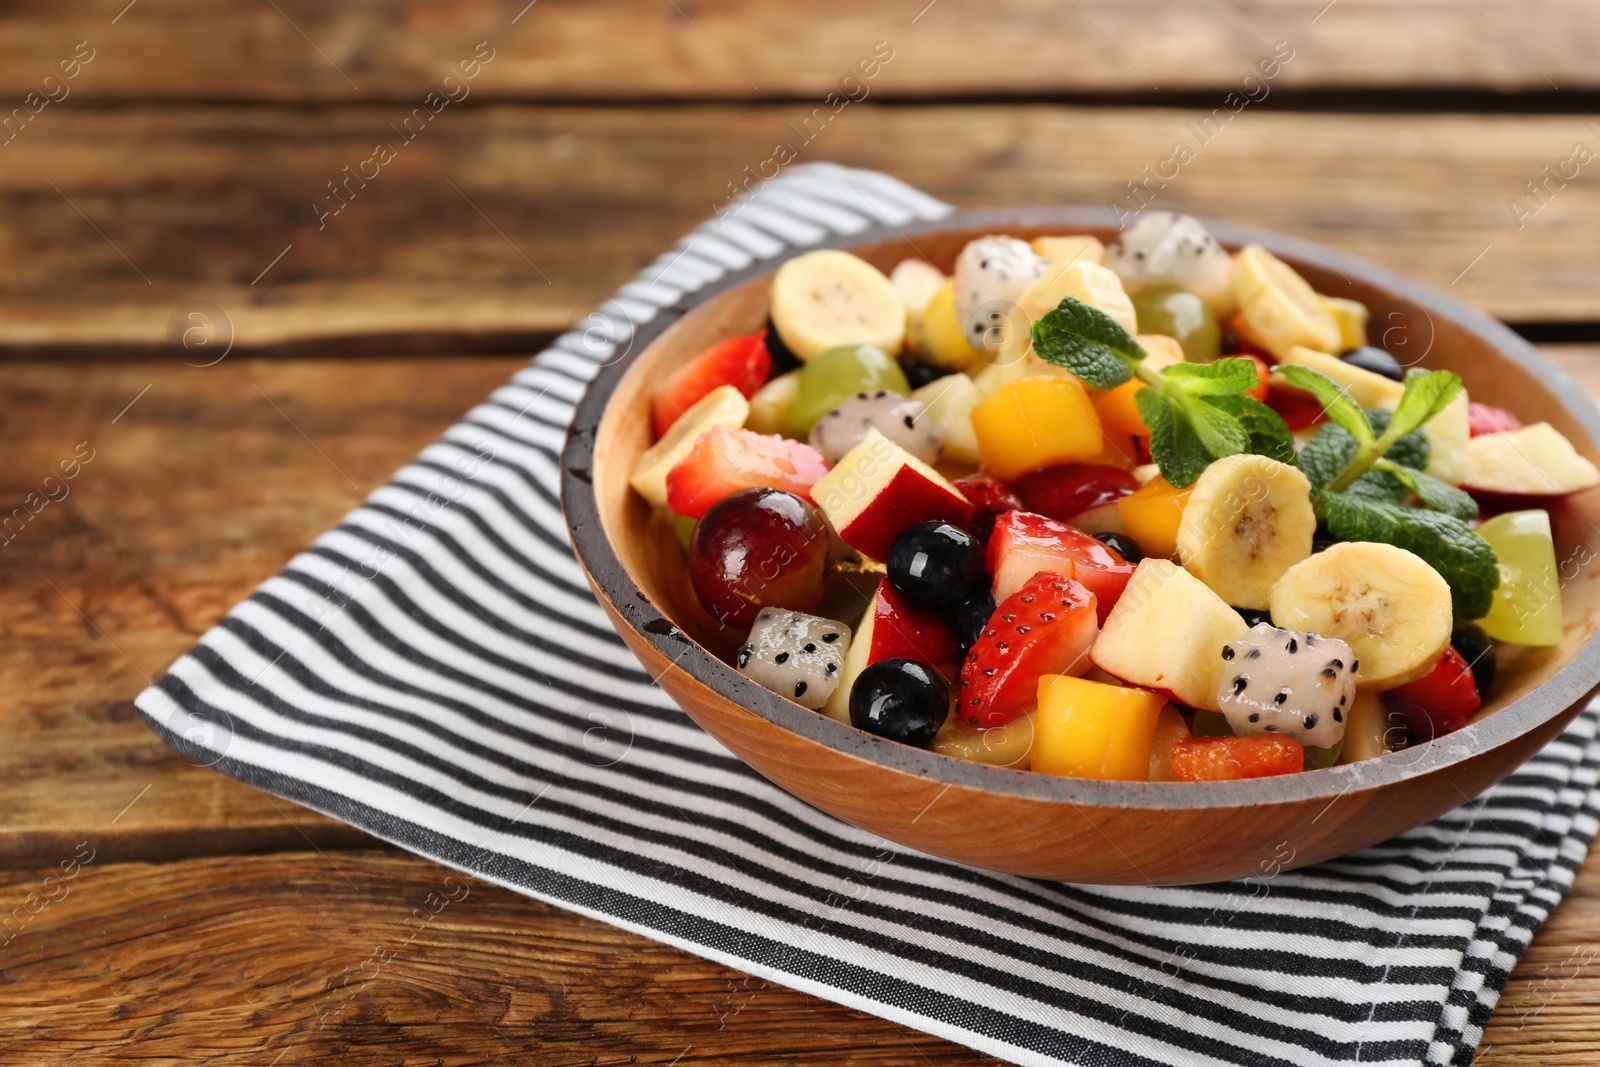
(949, 402)
(1024, 544)
(1166, 633)
(1447, 434)
(1533, 461)
(1095, 285)
(918, 282)
(1106, 519)
(1486, 418)
(878, 489)
(724, 406)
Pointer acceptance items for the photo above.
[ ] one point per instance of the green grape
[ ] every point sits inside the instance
(835, 375)
(1179, 313)
(1527, 604)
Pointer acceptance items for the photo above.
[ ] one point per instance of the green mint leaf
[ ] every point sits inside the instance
(1268, 434)
(1379, 486)
(1427, 393)
(1334, 400)
(1173, 443)
(1434, 494)
(1218, 432)
(1329, 452)
(1223, 377)
(1088, 343)
(1459, 554)
(1409, 451)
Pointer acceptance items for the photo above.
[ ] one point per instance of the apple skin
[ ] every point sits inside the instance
(903, 630)
(1069, 489)
(908, 497)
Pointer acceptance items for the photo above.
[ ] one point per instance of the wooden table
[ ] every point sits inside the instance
(185, 169)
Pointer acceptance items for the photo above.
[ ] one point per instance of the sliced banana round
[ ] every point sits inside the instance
(1279, 306)
(829, 298)
(1248, 520)
(1389, 606)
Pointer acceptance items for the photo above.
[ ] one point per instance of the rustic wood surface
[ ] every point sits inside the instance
(498, 225)
(218, 924)
(611, 49)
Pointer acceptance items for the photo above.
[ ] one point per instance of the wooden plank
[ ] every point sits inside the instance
(173, 49)
(308, 958)
(509, 222)
(204, 486)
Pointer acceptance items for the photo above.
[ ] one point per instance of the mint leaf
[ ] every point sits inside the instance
(1409, 451)
(1335, 401)
(1327, 454)
(1088, 343)
(1459, 554)
(1268, 434)
(1223, 377)
(1427, 393)
(1173, 443)
(1218, 432)
(1434, 494)
(1379, 486)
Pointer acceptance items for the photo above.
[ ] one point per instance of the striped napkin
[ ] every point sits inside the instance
(435, 671)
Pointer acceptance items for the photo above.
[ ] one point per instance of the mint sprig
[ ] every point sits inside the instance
(1196, 412)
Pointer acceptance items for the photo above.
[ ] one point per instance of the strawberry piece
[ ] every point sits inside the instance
(1226, 759)
(1024, 544)
(1486, 418)
(1046, 627)
(1069, 489)
(724, 461)
(1441, 701)
(742, 362)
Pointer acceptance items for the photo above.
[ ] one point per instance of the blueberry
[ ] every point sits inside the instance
(919, 373)
(1376, 360)
(1255, 616)
(783, 360)
(1122, 545)
(936, 564)
(968, 619)
(1476, 648)
(901, 700)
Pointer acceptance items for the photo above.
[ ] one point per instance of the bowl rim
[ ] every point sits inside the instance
(1570, 684)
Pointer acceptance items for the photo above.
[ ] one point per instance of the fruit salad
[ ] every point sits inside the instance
(1152, 511)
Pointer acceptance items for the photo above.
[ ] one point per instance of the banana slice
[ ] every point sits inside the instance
(1280, 307)
(829, 298)
(934, 331)
(1366, 388)
(1248, 520)
(1386, 603)
(1095, 285)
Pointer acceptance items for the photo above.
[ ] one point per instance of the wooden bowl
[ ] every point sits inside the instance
(1064, 828)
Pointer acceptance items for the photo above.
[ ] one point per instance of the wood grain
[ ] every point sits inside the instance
(194, 494)
(498, 225)
(300, 959)
(563, 49)
(244, 959)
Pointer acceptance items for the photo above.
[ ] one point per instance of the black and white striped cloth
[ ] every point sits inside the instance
(435, 671)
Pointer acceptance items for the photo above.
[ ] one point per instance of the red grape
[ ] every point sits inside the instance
(760, 548)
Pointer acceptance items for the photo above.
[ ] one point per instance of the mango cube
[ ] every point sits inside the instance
(1036, 422)
(1151, 515)
(1087, 729)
